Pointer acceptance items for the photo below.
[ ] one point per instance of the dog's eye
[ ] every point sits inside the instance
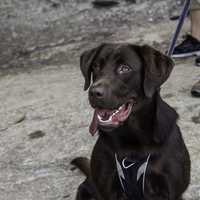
(123, 69)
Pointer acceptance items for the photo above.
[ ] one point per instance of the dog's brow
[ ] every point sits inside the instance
(118, 56)
(101, 61)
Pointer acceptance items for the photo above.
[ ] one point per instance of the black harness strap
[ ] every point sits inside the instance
(132, 172)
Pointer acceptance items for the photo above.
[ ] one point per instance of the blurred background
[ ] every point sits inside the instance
(43, 32)
(44, 113)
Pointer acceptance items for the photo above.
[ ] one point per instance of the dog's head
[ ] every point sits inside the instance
(122, 75)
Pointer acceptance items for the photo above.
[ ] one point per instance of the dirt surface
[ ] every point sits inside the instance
(44, 113)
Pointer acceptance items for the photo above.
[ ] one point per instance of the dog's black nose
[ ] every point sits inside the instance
(97, 92)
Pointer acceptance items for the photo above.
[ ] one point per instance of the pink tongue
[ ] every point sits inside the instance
(94, 124)
(105, 114)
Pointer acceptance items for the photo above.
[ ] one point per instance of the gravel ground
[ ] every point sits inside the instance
(44, 113)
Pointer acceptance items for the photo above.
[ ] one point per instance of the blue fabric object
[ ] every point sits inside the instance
(182, 17)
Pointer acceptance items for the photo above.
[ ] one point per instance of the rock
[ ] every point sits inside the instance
(104, 3)
(132, 1)
(36, 134)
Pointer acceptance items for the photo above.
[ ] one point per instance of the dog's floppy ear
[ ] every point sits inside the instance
(157, 68)
(86, 61)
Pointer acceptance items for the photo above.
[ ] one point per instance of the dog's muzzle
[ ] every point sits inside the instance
(107, 119)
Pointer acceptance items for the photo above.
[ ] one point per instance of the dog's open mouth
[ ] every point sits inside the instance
(107, 118)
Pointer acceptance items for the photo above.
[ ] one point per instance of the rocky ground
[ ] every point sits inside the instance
(44, 113)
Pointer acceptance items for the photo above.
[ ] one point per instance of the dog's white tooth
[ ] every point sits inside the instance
(99, 117)
(115, 112)
(106, 121)
(120, 107)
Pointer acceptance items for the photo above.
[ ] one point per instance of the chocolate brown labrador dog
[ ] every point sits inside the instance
(140, 153)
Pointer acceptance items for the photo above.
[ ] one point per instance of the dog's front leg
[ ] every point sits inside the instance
(120, 196)
(110, 189)
(87, 191)
(158, 187)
